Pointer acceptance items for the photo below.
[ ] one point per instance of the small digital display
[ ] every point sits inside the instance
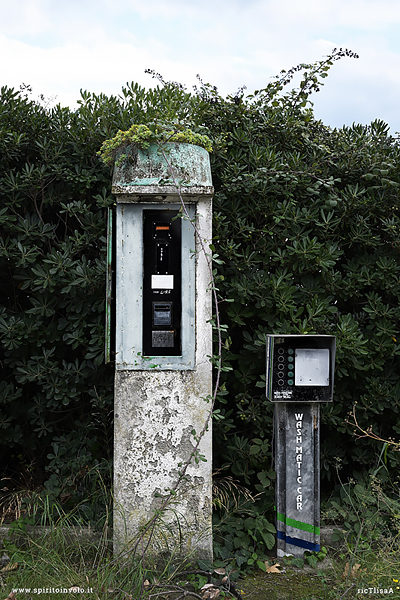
(162, 258)
(162, 282)
(161, 231)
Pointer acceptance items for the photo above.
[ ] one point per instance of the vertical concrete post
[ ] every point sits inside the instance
(299, 376)
(160, 400)
(297, 452)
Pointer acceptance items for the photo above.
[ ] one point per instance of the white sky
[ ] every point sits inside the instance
(59, 47)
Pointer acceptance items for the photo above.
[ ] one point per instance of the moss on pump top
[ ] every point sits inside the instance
(143, 136)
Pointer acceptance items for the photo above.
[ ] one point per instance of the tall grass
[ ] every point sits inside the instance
(62, 556)
(368, 525)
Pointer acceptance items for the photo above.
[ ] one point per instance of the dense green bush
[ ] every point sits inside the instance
(306, 229)
(306, 224)
(56, 395)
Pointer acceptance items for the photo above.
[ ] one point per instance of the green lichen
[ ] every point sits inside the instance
(142, 136)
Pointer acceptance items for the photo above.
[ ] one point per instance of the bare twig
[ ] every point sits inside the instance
(348, 589)
(369, 433)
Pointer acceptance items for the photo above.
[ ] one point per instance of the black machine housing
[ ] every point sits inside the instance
(300, 368)
(162, 304)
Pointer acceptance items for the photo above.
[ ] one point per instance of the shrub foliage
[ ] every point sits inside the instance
(306, 239)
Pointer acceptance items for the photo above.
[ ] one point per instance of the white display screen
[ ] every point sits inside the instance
(311, 366)
(162, 282)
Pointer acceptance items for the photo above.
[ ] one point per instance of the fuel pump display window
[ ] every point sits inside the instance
(161, 231)
(162, 282)
(311, 366)
(156, 297)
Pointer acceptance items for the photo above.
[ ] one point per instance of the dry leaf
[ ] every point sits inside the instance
(211, 594)
(354, 571)
(9, 567)
(346, 571)
(272, 569)
(210, 591)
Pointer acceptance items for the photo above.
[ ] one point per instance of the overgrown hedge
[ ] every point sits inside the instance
(56, 394)
(306, 223)
(306, 229)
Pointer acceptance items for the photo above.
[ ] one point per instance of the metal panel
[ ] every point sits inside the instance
(297, 447)
(129, 282)
(162, 280)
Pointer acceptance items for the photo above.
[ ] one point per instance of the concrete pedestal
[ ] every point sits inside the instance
(155, 414)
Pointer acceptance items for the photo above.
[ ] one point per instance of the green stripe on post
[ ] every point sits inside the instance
(298, 524)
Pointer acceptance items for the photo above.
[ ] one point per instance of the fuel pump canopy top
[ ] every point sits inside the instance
(300, 368)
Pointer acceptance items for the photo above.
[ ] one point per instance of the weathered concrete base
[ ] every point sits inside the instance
(155, 415)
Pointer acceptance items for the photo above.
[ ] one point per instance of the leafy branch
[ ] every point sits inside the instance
(313, 74)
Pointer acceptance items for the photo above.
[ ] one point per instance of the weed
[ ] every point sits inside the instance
(62, 557)
(368, 520)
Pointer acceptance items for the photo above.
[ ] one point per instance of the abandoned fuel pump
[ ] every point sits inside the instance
(163, 336)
